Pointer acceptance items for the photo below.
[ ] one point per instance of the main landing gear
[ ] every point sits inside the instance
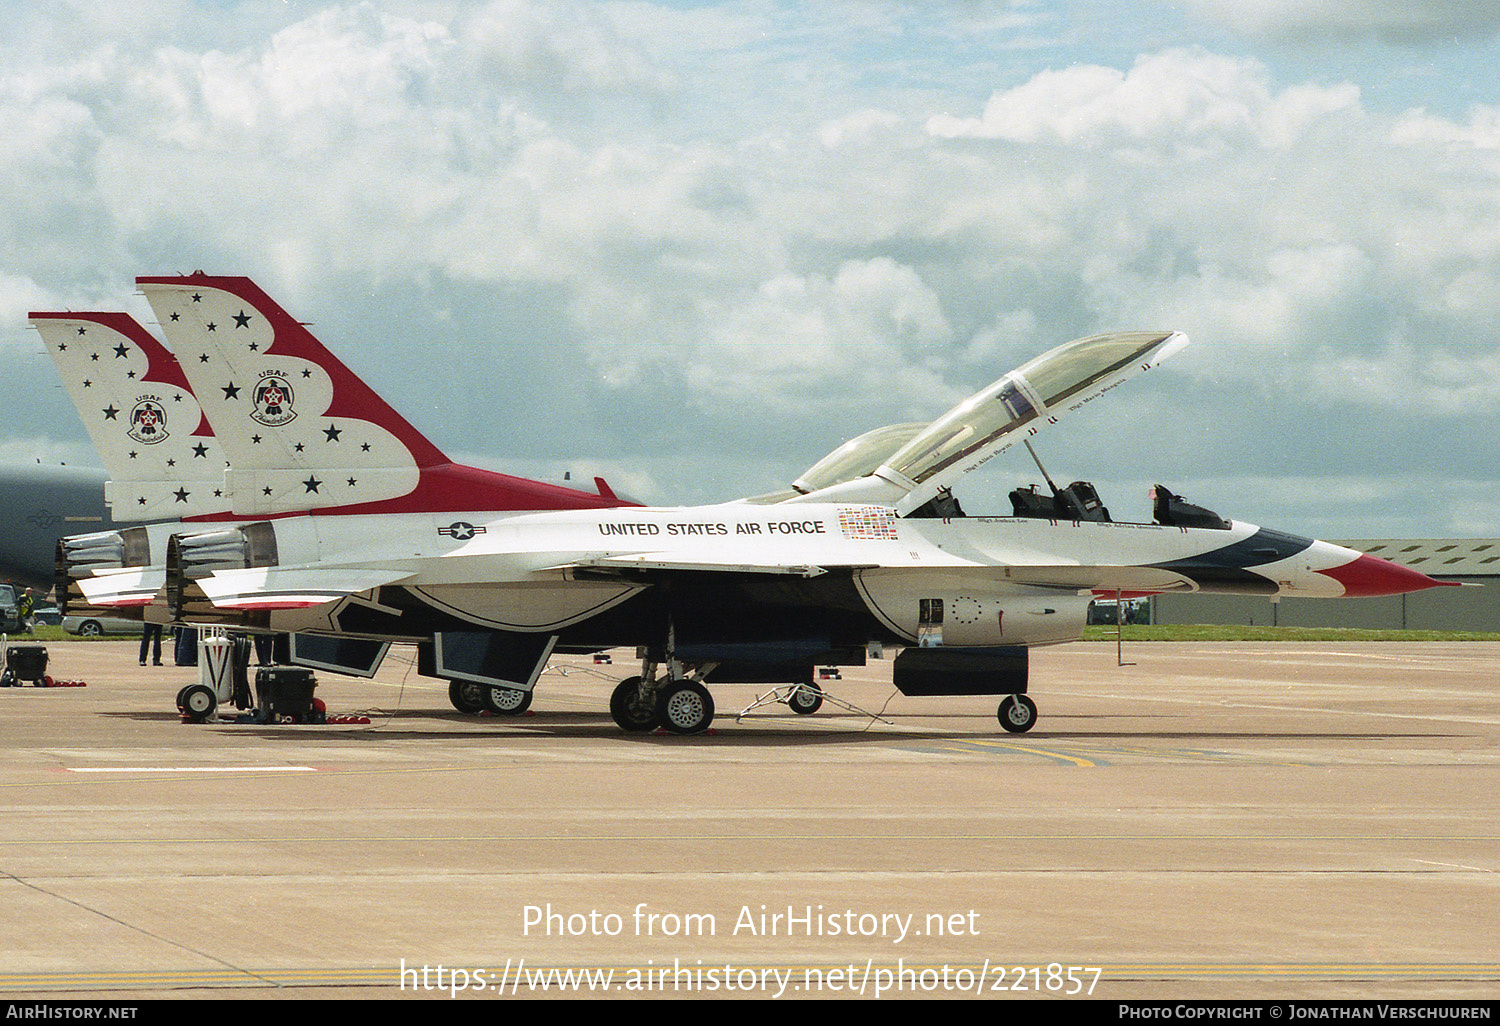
(684, 707)
(680, 705)
(633, 706)
(497, 700)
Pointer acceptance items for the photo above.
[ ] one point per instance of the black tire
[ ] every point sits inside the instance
(182, 691)
(502, 701)
(685, 707)
(805, 699)
(1017, 714)
(466, 696)
(199, 702)
(629, 712)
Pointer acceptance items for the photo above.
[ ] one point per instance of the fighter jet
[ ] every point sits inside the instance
(872, 549)
(165, 465)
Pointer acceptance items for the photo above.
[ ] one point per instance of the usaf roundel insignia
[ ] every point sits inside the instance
(273, 401)
(148, 421)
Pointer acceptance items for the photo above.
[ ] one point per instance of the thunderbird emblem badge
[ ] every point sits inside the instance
(148, 421)
(273, 401)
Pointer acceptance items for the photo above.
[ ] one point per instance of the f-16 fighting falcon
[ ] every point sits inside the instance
(332, 518)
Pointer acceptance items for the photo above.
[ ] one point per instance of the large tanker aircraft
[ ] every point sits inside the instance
(341, 522)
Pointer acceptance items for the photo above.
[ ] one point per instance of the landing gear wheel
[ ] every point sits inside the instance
(465, 696)
(685, 707)
(1017, 714)
(502, 701)
(198, 702)
(805, 699)
(629, 709)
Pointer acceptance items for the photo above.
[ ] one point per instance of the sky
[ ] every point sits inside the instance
(693, 247)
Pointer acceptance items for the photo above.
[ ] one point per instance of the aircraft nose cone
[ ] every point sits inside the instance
(1369, 576)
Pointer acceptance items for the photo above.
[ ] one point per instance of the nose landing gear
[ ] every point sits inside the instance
(1017, 714)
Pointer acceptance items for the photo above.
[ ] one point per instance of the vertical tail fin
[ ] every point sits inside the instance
(158, 448)
(302, 432)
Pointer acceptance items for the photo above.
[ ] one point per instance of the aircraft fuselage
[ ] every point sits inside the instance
(852, 573)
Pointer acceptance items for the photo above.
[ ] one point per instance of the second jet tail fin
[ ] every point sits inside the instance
(158, 448)
(304, 433)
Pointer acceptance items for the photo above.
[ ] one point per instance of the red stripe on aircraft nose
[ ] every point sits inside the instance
(1369, 575)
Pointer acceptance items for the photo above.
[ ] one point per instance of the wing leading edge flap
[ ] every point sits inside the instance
(290, 588)
(649, 561)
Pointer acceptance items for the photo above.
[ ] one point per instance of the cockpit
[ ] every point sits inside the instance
(1080, 501)
(914, 467)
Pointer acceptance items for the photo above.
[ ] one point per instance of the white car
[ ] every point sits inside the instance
(97, 626)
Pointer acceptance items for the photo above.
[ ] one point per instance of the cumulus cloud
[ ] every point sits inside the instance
(759, 240)
(1480, 131)
(1405, 22)
(1189, 102)
(874, 327)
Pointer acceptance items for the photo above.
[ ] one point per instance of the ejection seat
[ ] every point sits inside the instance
(1171, 511)
(942, 506)
(1078, 501)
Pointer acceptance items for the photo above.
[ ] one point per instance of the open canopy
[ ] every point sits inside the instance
(992, 420)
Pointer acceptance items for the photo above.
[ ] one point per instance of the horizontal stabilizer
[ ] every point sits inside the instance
(132, 586)
(255, 588)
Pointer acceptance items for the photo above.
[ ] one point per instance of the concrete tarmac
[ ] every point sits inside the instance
(1214, 821)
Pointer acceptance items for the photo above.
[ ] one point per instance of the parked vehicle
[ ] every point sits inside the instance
(97, 626)
(1104, 612)
(9, 620)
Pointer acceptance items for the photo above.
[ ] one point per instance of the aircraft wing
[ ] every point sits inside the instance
(1073, 578)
